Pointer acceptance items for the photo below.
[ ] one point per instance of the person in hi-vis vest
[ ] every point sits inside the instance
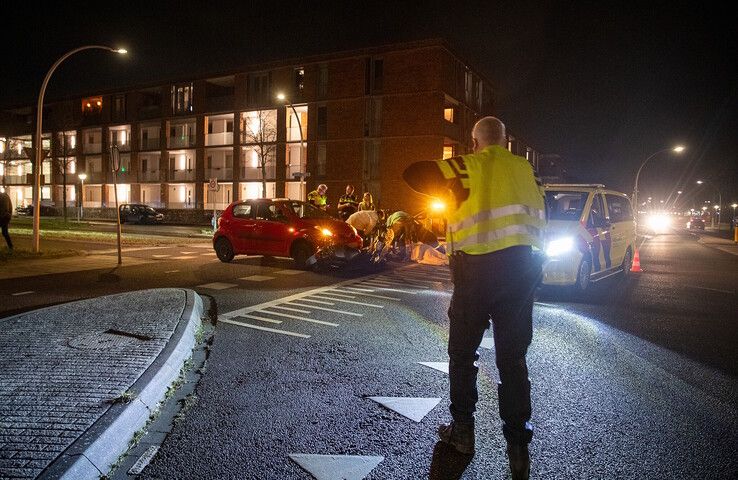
(496, 222)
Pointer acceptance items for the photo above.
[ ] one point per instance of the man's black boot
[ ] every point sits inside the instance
(458, 435)
(519, 461)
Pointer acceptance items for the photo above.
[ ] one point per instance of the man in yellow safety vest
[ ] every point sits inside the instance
(318, 197)
(498, 220)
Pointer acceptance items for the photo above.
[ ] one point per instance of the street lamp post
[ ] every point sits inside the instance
(303, 175)
(717, 207)
(677, 149)
(39, 153)
(82, 178)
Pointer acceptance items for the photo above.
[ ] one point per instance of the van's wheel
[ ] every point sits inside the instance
(224, 250)
(300, 255)
(627, 263)
(583, 276)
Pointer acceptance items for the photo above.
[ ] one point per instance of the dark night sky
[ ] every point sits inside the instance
(604, 84)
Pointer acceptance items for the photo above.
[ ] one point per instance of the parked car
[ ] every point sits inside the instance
(282, 228)
(46, 210)
(696, 223)
(590, 235)
(139, 213)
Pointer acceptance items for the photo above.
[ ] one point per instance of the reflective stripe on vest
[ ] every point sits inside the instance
(526, 234)
(497, 213)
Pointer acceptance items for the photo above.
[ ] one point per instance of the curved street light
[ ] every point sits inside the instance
(39, 143)
(677, 149)
(718, 207)
(282, 98)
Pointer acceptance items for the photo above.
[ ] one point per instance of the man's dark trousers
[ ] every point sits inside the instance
(500, 286)
(4, 226)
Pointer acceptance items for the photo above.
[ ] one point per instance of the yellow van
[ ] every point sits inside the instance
(591, 235)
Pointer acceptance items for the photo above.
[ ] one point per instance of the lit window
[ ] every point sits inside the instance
(448, 114)
(92, 106)
(448, 151)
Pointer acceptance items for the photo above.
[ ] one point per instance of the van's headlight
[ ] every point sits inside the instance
(559, 246)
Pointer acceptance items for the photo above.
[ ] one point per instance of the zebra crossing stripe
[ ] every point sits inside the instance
(266, 329)
(327, 309)
(311, 320)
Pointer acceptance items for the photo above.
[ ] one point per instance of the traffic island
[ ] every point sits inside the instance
(79, 380)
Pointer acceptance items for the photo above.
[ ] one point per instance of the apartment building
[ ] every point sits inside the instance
(357, 117)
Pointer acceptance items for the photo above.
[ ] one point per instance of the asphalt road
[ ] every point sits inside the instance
(638, 381)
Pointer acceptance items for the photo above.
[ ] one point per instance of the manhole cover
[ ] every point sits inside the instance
(100, 340)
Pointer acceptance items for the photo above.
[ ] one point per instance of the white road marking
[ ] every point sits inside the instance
(257, 278)
(351, 301)
(266, 329)
(217, 285)
(211, 254)
(334, 291)
(296, 310)
(289, 272)
(349, 467)
(371, 295)
(306, 299)
(440, 366)
(184, 257)
(187, 253)
(326, 309)
(410, 407)
(255, 317)
(311, 320)
(17, 294)
(390, 289)
(171, 271)
(355, 289)
(160, 256)
(402, 281)
(488, 342)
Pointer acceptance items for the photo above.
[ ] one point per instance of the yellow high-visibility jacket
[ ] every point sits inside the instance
(505, 206)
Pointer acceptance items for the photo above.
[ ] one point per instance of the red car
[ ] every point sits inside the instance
(279, 227)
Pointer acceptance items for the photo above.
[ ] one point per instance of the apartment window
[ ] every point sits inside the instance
(448, 114)
(150, 136)
(182, 98)
(468, 86)
(323, 80)
(299, 80)
(258, 92)
(373, 117)
(321, 162)
(119, 107)
(374, 75)
(91, 106)
(121, 136)
(322, 123)
(448, 151)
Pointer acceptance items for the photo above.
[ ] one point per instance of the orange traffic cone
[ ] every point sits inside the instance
(636, 267)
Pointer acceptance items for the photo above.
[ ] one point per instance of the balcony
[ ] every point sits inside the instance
(181, 175)
(182, 142)
(223, 138)
(18, 179)
(254, 173)
(149, 111)
(95, 177)
(93, 147)
(150, 176)
(150, 144)
(224, 173)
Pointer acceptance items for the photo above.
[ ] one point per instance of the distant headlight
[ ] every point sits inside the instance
(559, 246)
(658, 222)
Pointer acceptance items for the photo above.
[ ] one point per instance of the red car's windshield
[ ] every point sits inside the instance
(306, 210)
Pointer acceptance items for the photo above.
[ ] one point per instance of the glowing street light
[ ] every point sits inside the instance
(301, 175)
(82, 178)
(39, 153)
(676, 149)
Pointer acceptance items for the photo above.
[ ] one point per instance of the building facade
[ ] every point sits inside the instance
(274, 130)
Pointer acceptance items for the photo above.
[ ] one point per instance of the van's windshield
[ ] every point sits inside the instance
(563, 205)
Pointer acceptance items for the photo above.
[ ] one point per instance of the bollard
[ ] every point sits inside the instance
(735, 234)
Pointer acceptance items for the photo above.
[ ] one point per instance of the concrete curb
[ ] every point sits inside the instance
(94, 453)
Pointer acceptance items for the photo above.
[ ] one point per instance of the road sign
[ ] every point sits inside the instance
(213, 184)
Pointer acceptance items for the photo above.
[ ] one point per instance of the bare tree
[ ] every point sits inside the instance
(260, 130)
(63, 162)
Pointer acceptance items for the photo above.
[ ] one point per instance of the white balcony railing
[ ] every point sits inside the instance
(181, 175)
(219, 173)
(182, 142)
(93, 147)
(223, 138)
(150, 176)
